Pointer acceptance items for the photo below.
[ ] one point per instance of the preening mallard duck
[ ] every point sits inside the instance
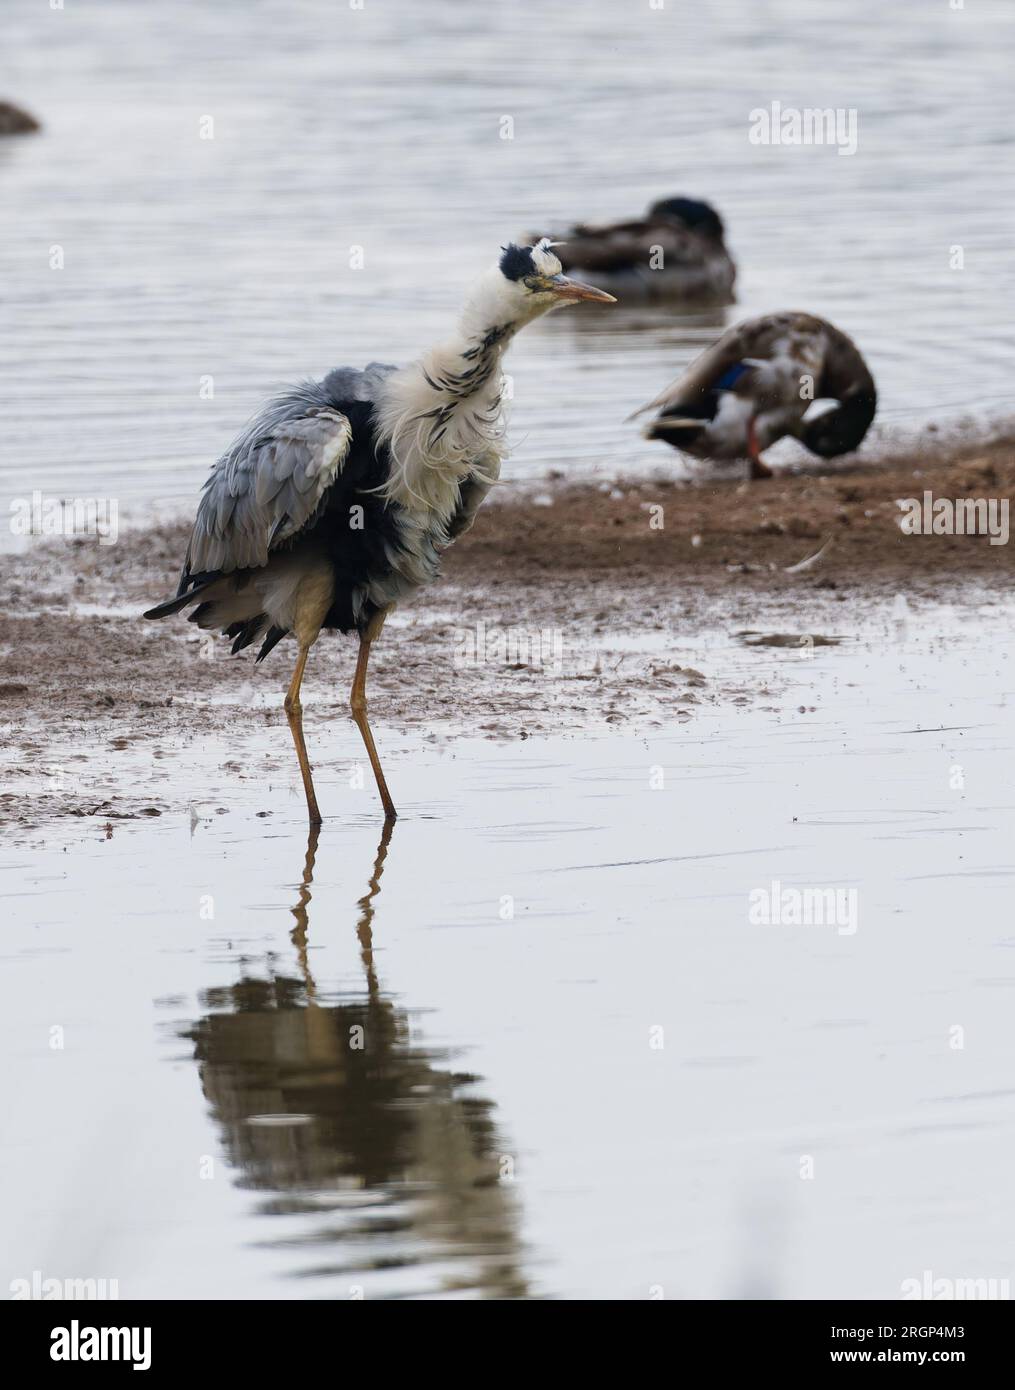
(756, 384)
(676, 251)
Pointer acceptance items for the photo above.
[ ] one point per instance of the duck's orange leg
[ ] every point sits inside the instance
(758, 469)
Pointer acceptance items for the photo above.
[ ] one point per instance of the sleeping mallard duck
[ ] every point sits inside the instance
(757, 383)
(676, 251)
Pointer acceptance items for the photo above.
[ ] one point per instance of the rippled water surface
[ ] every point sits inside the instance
(530, 1044)
(229, 258)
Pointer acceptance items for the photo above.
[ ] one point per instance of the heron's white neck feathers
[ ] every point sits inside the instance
(441, 418)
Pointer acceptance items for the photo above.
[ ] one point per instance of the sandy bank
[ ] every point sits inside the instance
(568, 608)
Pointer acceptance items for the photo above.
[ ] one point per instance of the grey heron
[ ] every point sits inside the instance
(677, 250)
(756, 384)
(336, 501)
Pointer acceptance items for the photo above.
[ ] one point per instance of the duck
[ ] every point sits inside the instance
(676, 251)
(756, 384)
(16, 121)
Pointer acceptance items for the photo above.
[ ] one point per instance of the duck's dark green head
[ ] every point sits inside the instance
(840, 430)
(699, 216)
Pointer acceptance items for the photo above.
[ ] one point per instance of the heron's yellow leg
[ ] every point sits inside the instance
(294, 713)
(358, 704)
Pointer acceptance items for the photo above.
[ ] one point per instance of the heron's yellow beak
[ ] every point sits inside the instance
(564, 288)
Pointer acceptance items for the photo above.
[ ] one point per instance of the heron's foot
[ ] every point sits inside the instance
(760, 470)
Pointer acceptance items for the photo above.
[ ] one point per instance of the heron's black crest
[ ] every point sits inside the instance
(692, 212)
(517, 262)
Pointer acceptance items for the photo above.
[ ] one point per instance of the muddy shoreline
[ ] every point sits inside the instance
(607, 583)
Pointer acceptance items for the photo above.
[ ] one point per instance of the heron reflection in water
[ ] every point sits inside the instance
(332, 1111)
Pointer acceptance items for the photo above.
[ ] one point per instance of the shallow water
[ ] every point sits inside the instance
(229, 258)
(516, 1124)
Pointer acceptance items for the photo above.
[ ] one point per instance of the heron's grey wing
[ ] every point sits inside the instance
(267, 488)
(355, 384)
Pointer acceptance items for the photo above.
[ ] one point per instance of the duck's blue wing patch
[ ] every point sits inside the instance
(730, 377)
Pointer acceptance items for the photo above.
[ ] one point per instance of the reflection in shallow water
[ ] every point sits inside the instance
(639, 1168)
(334, 1113)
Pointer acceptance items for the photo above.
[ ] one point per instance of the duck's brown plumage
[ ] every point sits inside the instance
(776, 366)
(677, 250)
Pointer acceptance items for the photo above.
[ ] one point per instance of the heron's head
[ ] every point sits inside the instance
(533, 277)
